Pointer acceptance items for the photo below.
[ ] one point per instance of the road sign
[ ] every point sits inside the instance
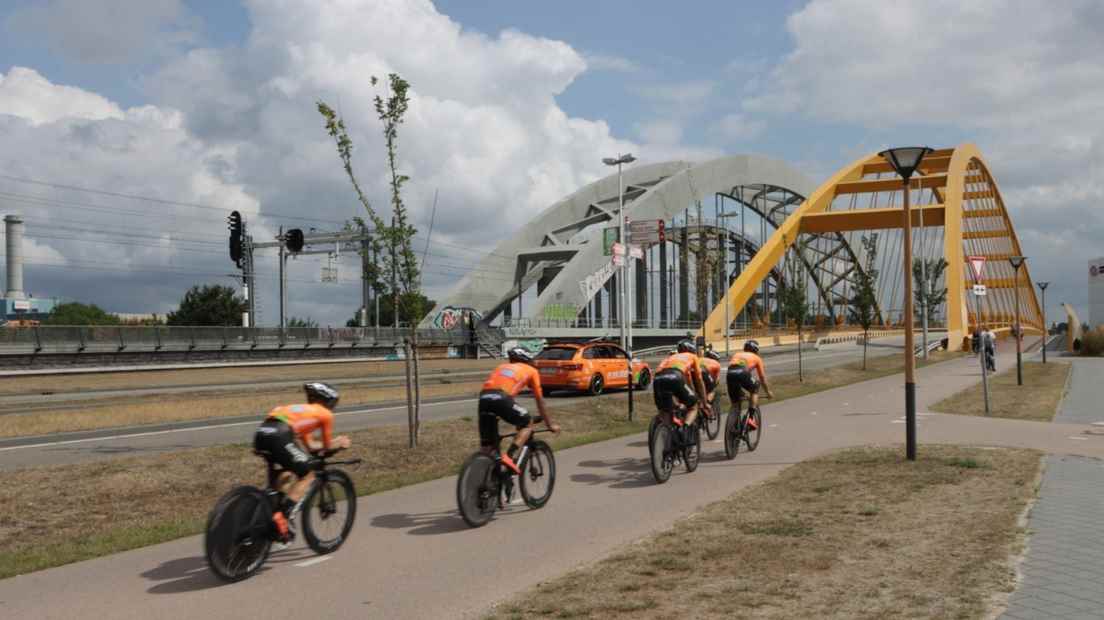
(979, 290)
(645, 232)
(977, 264)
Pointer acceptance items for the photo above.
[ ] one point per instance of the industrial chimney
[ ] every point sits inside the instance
(13, 230)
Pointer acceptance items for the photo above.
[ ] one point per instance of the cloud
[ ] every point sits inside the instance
(105, 31)
(660, 131)
(737, 126)
(606, 62)
(26, 94)
(1022, 79)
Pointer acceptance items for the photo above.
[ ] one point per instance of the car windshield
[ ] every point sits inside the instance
(557, 353)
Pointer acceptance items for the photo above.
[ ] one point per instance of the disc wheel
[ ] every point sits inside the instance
(329, 512)
(732, 433)
(752, 436)
(239, 534)
(713, 426)
(477, 490)
(538, 475)
(662, 454)
(691, 452)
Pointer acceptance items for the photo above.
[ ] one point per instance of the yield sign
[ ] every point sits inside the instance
(977, 264)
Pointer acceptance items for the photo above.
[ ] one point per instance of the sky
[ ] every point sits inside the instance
(205, 106)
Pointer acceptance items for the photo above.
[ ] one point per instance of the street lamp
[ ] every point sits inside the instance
(1017, 262)
(625, 311)
(905, 161)
(1046, 331)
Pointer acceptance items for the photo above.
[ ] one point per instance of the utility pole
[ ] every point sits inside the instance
(283, 278)
(1046, 330)
(364, 283)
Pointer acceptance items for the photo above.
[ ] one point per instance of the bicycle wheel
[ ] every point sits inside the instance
(691, 453)
(751, 436)
(656, 419)
(477, 490)
(329, 511)
(732, 433)
(538, 475)
(712, 427)
(663, 454)
(239, 533)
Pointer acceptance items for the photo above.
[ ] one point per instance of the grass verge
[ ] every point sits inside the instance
(110, 506)
(860, 533)
(1036, 399)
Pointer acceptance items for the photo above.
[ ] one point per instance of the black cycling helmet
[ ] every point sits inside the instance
(713, 355)
(751, 346)
(519, 355)
(687, 346)
(322, 394)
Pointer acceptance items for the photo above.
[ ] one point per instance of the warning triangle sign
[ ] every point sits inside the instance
(977, 264)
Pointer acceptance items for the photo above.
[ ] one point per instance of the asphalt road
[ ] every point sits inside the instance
(410, 555)
(77, 447)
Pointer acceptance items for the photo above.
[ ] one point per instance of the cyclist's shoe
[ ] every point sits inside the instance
(283, 532)
(677, 421)
(509, 462)
(752, 424)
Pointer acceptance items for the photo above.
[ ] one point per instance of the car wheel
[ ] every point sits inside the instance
(644, 380)
(596, 385)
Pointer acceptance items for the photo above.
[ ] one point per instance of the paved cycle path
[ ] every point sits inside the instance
(410, 555)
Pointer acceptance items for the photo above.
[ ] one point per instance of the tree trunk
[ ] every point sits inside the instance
(800, 371)
(410, 422)
(866, 338)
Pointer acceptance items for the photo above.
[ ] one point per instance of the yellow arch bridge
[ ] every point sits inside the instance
(957, 207)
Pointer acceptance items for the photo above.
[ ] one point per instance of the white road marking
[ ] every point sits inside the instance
(1098, 423)
(1079, 438)
(772, 426)
(313, 561)
(209, 427)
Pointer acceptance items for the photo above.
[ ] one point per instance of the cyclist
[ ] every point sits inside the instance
(671, 379)
(746, 372)
(496, 400)
(710, 371)
(286, 437)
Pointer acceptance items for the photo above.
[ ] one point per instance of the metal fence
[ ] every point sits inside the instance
(135, 339)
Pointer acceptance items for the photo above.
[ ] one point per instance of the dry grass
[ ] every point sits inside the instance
(58, 384)
(93, 415)
(1036, 399)
(856, 534)
(109, 506)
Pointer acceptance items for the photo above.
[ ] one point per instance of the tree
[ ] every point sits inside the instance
(298, 322)
(210, 304)
(928, 294)
(793, 296)
(75, 313)
(393, 243)
(410, 313)
(864, 303)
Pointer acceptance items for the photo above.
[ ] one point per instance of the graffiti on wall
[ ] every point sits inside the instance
(561, 312)
(453, 318)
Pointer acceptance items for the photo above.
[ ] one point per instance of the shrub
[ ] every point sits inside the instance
(1092, 343)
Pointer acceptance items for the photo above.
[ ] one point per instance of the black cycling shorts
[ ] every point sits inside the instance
(495, 404)
(707, 379)
(669, 385)
(276, 443)
(740, 377)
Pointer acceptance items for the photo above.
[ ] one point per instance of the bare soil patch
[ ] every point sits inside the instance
(860, 533)
(1036, 399)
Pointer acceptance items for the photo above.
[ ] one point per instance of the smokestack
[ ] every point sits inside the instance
(13, 231)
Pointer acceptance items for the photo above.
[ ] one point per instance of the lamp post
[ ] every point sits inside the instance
(625, 311)
(905, 161)
(1017, 262)
(1046, 331)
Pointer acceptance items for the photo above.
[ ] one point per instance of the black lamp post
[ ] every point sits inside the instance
(1046, 330)
(905, 161)
(1017, 262)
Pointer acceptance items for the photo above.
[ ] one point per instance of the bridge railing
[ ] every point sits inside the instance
(56, 339)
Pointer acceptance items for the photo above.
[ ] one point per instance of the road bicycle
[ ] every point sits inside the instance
(240, 529)
(670, 443)
(485, 484)
(738, 428)
(711, 426)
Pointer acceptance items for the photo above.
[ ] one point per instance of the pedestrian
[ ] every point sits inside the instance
(989, 340)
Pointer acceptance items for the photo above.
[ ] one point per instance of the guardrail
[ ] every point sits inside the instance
(53, 339)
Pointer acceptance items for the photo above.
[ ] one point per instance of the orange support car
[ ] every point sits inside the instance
(590, 367)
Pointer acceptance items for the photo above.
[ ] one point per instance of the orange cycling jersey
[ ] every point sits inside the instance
(712, 366)
(749, 361)
(686, 363)
(305, 419)
(513, 378)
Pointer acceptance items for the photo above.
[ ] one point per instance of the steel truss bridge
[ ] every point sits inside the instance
(742, 228)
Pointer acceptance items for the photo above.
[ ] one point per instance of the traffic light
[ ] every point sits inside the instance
(293, 240)
(662, 231)
(235, 222)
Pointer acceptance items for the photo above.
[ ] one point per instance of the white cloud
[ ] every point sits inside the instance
(105, 31)
(26, 94)
(660, 131)
(607, 62)
(737, 126)
(1023, 79)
